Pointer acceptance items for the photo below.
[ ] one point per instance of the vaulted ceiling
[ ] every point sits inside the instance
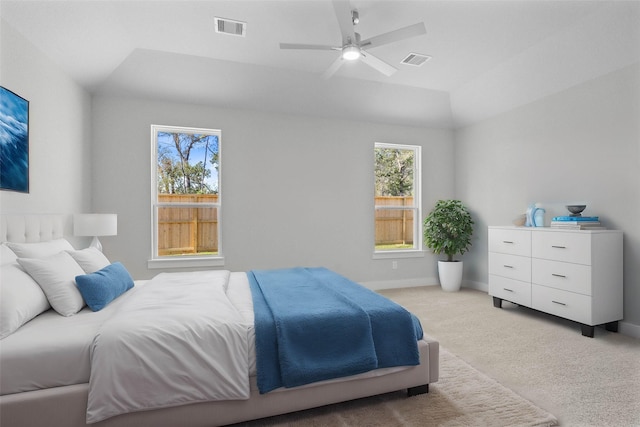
(487, 56)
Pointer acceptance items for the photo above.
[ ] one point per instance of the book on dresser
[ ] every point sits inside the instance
(577, 223)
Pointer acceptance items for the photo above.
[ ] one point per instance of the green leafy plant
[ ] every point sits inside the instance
(448, 228)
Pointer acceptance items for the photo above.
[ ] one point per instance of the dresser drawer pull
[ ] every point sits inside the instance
(558, 247)
(558, 275)
(557, 302)
(509, 242)
(508, 290)
(508, 266)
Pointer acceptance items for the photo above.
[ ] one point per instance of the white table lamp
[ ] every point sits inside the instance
(95, 225)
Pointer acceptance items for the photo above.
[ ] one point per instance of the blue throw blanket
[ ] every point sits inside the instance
(313, 324)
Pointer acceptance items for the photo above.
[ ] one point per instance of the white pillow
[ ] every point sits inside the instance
(7, 255)
(56, 276)
(21, 299)
(90, 259)
(40, 249)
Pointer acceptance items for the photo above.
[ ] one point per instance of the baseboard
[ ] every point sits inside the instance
(480, 286)
(416, 282)
(629, 329)
(401, 283)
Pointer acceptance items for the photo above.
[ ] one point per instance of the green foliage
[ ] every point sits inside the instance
(177, 172)
(448, 228)
(394, 172)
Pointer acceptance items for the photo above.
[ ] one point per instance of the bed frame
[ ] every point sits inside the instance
(66, 406)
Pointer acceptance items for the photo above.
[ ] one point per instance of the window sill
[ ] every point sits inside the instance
(398, 254)
(185, 262)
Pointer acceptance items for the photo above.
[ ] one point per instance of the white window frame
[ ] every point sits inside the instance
(417, 250)
(157, 261)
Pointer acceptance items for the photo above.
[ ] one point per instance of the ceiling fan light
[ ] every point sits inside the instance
(351, 53)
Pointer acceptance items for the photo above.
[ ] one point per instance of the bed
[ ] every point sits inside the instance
(56, 390)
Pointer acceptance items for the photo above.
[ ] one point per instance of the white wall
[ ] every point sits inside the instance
(296, 190)
(59, 130)
(579, 145)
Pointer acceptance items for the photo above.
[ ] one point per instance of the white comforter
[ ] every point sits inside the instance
(178, 340)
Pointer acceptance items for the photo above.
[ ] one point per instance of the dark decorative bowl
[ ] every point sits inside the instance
(576, 210)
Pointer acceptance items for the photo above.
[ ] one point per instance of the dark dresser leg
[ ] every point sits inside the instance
(497, 302)
(587, 330)
(611, 326)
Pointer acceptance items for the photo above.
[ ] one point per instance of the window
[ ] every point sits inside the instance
(185, 197)
(397, 199)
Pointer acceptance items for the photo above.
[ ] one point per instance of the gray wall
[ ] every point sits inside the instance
(579, 145)
(59, 130)
(296, 190)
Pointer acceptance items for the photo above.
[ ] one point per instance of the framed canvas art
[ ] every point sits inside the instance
(14, 142)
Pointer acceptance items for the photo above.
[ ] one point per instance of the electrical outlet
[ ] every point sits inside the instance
(394, 265)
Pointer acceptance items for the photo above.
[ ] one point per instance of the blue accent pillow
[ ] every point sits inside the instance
(100, 288)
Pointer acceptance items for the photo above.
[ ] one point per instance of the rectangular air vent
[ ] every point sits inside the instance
(229, 26)
(416, 59)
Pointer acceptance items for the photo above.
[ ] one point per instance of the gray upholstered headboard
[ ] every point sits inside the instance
(33, 228)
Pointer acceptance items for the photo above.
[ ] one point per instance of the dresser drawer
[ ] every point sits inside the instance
(511, 266)
(510, 241)
(511, 290)
(565, 304)
(562, 275)
(561, 246)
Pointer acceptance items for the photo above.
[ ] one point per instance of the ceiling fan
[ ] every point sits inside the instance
(352, 47)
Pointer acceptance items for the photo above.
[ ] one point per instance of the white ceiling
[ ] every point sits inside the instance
(488, 56)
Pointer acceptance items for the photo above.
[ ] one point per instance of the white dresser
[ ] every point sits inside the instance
(576, 275)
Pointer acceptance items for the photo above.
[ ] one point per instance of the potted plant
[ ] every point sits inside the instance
(448, 229)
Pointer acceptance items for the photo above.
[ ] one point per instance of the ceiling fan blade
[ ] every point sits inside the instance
(345, 20)
(394, 36)
(378, 64)
(307, 46)
(333, 68)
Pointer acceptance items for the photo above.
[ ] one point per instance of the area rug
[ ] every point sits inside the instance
(463, 396)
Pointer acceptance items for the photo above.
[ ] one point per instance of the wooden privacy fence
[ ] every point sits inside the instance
(394, 226)
(192, 230)
(187, 230)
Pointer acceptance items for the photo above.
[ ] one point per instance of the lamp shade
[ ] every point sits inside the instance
(95, 224)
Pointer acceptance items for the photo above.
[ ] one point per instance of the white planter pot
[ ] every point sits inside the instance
(450, 274)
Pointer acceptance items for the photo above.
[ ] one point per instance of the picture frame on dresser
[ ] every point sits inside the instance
(14, 142)
(572, 274)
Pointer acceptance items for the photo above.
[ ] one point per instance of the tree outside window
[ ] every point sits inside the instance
(186, 163)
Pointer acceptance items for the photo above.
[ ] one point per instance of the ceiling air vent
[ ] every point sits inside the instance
(229, 26)
(416, 59)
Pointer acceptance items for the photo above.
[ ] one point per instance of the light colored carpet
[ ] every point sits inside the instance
(462, 397)
(584, 382)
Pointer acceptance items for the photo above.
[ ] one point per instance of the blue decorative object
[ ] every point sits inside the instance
(14, 142)
(538, 217)
(535, 216)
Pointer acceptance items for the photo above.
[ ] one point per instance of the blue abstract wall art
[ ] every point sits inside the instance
(14, 142)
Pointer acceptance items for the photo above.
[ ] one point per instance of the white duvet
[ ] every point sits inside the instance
(177, 340)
